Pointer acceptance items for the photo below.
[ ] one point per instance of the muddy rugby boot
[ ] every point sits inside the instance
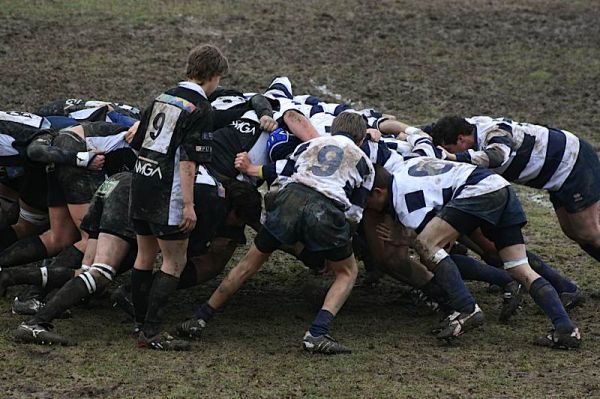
(163, 342)
(38, 334)
(512, 300)
(560, 340)
(459, 323)
(121, 298)
(323, 344)
(571, 300)
(191, 328)
(27, 307)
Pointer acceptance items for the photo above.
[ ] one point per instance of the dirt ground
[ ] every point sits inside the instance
(532, 60)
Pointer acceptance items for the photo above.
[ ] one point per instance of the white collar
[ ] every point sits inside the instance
(193, 86)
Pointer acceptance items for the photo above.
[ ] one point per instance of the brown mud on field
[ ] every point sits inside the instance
(531, 60)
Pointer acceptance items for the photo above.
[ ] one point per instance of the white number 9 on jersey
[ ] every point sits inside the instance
(160, 127)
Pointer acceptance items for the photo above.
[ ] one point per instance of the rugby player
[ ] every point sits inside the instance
(329, 180)
(536, 156)
(468, 197)
(173, 137)
(112, 248)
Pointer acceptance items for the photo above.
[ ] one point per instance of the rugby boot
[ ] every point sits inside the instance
(324, 344)
(459, 323)
(38, 334)
(191, 328)
(121, 298)
(560, 340)
(163, 342)
(27, 306)
(512, 300)
(571, 300)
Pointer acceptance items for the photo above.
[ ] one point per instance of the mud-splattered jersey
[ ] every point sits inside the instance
(176, 127)
(237, 129)
(335, 167)
(423, 185)
(17, 131)
(88, 110)
(533, 155)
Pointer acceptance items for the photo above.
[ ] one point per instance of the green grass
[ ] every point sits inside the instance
(532, 60)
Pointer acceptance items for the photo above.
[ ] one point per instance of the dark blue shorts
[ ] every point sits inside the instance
(301, 214)
(582, 187)
(499, 215)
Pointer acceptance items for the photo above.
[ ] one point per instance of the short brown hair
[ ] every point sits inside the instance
(350, 123)
(204, 62)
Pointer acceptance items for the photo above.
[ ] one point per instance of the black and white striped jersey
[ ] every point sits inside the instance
(422, 185)
(87, 110)
(176, 127)
(237, 129)
(335, 167)
(533, 155)
(17, 130)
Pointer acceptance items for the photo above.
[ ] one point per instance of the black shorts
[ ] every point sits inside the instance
(499, 215)
(71, 184)
(582, 187)
(302, 214)
(34, 187)
(109, 210)
(211, 212)
(163, 231)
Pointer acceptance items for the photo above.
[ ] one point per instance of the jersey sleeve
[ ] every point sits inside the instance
(360, 193)
(196, 144)
(495, 150)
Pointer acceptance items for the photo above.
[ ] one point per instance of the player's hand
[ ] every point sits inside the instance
(447, 155)
(97, 160)
(374, 133)
(393, 235)
(242, 162)
(267, 123)
(189, 219)
(402, 136)
(131, 132)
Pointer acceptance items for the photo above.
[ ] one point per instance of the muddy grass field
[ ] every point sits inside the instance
(532, 60)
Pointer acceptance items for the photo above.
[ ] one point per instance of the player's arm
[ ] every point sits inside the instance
(264, 111)
(42, 150)
(495, 151)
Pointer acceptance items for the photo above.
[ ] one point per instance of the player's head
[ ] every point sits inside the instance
(350, 124)
(453, 133)
(206, 65)
(379, 197)
(244, 202)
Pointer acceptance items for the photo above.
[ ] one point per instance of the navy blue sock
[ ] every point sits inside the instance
(205, 312)
(320, 325)
(447, 276)
(559, 282)
(547, 298)
(472, 270)
(593, 251)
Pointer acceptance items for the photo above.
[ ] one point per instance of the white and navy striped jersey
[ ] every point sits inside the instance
(421, 186)
(320, 113)
(335, 167)
(533, 155)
